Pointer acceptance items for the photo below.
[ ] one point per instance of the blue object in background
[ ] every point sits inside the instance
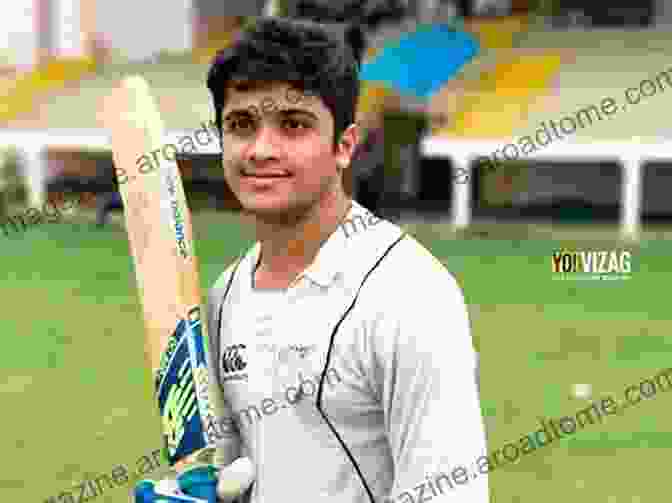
(420, 63)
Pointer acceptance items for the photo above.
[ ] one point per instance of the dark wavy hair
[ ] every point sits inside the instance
(315, 58)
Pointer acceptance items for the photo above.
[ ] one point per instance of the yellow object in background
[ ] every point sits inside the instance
(204, 55)
(499, 103)
(23, 93)
(497, 33)
(373, 97)
(524, 76)
(371, 52)
(499, 100)
(215, 33)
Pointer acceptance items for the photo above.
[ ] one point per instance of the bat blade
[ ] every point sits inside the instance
(158, 224)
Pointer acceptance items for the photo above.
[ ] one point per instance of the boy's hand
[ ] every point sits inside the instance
(196, 485)
(200, 484)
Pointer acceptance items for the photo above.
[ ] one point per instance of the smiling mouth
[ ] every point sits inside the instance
(273, 175)
(265, 176)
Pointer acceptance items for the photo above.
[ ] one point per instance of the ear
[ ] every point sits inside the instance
(346, 147)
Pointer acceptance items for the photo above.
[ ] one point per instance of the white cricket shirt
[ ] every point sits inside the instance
(388, 323)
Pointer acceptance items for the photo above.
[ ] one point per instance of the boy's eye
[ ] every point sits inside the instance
(239, 123)
(294, 124)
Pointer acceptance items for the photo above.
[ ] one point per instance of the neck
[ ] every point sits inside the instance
(289, 247)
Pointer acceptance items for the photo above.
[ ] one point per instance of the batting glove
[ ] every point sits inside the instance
(194, 485)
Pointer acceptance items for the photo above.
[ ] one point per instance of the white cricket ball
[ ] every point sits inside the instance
(582, 391)
(235, 478)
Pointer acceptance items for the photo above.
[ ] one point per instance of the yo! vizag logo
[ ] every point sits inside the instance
(591, 264)
(234, 362)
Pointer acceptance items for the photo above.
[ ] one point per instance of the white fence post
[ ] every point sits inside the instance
(631, 196)
(35, 173)
(461, 211)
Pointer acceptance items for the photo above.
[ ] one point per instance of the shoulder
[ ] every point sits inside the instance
(410, 275)
(412, 307)
(407, 298)
(401, 261)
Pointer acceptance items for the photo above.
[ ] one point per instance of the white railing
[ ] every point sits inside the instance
(630, 154)
(31, 146)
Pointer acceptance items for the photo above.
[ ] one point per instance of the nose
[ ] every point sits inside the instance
(265, 145)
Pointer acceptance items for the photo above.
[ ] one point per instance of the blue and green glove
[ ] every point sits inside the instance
(198, 484)
(201, 484)
(195, 485)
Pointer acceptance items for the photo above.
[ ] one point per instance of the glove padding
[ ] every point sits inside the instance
(194, 485)
(200, 484)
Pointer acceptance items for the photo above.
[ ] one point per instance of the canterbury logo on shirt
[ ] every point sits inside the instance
(234, 362)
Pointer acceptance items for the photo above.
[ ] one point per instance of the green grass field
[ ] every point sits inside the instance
(77, 398)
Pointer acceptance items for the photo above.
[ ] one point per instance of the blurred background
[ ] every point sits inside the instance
(446, 81)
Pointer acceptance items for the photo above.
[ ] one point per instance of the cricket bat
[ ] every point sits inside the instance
(158, 223)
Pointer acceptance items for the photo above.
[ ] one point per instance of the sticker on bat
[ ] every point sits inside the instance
(178, 390)
(177, 217)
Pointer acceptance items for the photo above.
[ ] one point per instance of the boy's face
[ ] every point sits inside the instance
(277, 149)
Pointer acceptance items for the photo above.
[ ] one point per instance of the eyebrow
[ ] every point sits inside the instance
(245, 112)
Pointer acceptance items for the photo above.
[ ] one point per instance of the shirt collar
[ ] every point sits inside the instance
(331, 259)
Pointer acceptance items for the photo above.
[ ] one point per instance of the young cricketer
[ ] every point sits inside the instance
(342, 342)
